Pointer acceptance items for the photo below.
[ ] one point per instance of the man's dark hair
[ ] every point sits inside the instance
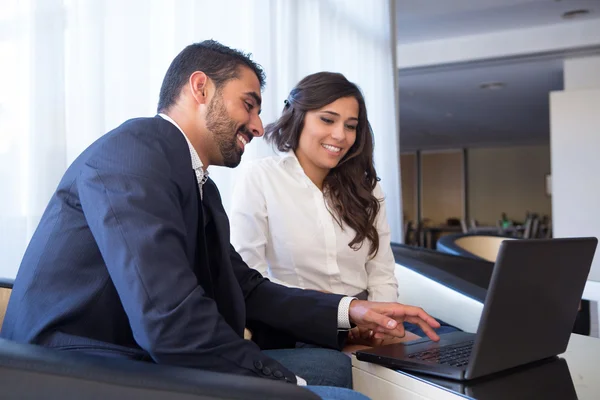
(220, 63)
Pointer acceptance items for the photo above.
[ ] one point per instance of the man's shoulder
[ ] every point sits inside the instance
(153, 128)
(145, 145)
(145, 134)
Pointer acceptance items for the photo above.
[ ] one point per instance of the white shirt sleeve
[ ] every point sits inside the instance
(344, 313)
(249, 221)
(382, 284)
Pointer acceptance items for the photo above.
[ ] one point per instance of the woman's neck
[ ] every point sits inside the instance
(315, 174)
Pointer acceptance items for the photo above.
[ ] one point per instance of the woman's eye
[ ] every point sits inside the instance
(327, 120)
(351, 127)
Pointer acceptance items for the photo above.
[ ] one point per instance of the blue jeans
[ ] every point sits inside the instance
(444, 328)
(327, 372)
(334, 393)
(318, 366)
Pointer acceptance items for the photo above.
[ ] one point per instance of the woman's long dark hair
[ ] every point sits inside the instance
(349, 186)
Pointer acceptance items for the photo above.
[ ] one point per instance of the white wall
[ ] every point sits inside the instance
(510, 180)
(575, 141)
(575, 153)
(582, 73)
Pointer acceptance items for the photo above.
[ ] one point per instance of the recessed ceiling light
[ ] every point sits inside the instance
(492, 85)
(575, 13)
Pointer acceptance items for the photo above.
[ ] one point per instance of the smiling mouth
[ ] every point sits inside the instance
(243, 139)
(332, 149)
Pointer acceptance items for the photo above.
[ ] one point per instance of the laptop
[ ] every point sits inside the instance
(528, 315)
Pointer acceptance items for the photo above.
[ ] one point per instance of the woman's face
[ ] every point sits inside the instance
(328, 134)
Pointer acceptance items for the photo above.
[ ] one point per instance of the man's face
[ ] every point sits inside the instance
(233, 117)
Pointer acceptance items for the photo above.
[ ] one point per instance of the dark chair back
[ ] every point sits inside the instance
(6, 286)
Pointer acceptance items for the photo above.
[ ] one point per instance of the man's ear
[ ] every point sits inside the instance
(198, 87)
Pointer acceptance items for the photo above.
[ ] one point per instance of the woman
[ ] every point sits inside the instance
(315, 217)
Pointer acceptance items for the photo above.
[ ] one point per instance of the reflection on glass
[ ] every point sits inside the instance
(545, 380)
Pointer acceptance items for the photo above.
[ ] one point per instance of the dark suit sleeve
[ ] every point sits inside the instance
(305, 315)
(134, 211)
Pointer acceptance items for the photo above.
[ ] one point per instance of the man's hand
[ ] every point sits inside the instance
(385, 319)
(361, 335)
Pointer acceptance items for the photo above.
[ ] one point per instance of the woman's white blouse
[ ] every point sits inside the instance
(281, 226)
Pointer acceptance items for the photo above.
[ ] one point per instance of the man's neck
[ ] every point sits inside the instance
(188, 128)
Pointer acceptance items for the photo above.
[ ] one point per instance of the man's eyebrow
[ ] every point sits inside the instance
(255, 97)
(337, 115)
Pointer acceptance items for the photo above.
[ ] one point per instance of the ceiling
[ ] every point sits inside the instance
(438, 19)
(445, 107)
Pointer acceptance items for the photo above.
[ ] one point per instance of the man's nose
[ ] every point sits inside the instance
(256, 126)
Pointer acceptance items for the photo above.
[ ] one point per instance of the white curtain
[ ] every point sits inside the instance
(71, 70)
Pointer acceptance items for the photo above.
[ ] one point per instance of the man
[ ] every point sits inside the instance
(132, 257)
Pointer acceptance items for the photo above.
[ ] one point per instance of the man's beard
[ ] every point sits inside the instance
(224, 132)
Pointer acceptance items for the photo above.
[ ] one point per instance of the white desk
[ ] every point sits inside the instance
(592, 293)
(582, 357)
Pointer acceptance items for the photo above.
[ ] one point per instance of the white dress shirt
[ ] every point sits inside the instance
(201, 174)
(282, 227)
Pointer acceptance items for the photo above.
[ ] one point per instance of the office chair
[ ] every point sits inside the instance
(6, 286)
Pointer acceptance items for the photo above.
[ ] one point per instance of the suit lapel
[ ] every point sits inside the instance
(202, 264)
(230, 299)
(206, 215)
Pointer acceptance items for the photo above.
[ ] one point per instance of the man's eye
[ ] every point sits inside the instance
(249, 106)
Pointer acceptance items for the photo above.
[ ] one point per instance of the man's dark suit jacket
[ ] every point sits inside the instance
(126, 263)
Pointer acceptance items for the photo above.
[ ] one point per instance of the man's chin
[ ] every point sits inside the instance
(232, 162)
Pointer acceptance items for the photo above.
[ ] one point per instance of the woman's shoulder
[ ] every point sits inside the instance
(268, 164)
(264, 164)
(378, 192)
(262, 169)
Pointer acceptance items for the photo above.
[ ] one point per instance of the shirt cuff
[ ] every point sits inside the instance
(300, 381)
(343, 313)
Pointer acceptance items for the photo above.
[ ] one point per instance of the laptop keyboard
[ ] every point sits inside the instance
(455, 355)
